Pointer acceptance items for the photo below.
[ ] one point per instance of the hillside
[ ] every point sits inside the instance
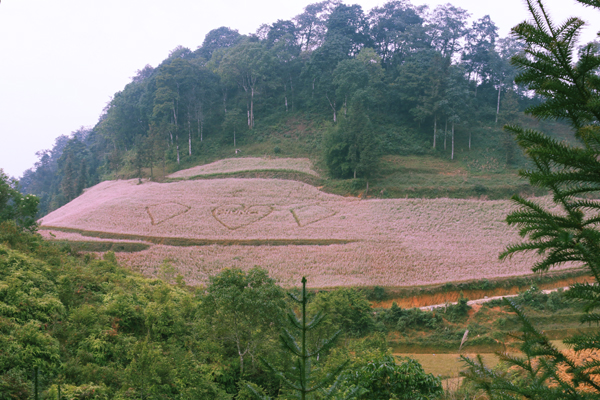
(333, 84)
(292, 229)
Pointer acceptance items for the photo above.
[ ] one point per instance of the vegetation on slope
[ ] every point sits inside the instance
(567, 231)
(338, 84)
(92, 329)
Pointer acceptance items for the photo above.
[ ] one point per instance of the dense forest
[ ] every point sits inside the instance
(351, 85)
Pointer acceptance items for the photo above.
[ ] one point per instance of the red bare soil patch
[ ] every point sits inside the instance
(453, 296)
(474, 309)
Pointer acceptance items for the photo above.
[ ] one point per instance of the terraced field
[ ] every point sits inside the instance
(232, 165)
(293, 230)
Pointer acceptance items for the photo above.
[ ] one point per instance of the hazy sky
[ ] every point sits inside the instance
(62, 60)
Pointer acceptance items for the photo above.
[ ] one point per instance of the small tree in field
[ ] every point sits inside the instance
(569, 233)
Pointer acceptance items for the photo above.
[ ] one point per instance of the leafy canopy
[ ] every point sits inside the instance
(15, 207)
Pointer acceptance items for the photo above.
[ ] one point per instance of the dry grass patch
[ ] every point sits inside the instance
(448, 365)
(230, 165)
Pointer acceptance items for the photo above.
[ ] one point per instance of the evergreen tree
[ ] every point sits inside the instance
(69, 181)
(83, 177)
(569, 232)
(300, 379)
(351, 150)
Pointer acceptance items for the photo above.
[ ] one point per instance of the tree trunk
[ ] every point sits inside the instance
(189, 135)
(285, 96)
(452, 154)
(252, 108)
(35, 383)
(241, 354)
(200, 120)
(498, 105)
(234, 137)
(434, 130)
(292, 90)
(303, 380)
(469, 140)
(332, 105)
(334, 113)
(176, 131)
(445, 133)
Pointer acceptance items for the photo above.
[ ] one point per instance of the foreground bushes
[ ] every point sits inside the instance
(94, 330)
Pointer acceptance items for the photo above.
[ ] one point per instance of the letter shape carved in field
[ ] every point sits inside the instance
(235, 216)
(305, 215)
(159, 213)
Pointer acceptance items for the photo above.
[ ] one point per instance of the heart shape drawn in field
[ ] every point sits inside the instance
(235, 216)
(159, 213)
(305, 215)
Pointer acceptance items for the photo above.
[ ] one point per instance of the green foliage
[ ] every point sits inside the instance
(83, 392)
(569, 232)
(243, 310)
(300, 378)
(351, 149)
(29, 306)
(14, 385)
(377, 294)
(416, 318)
(108, 333)
(346, 309)
(458, 311)
(98, 331)
(385, 379)
(16, 207)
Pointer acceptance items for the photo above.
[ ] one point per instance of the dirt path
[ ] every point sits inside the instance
(485, 299)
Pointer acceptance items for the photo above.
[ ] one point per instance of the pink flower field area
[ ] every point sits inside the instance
(248, 164)
(396, 242)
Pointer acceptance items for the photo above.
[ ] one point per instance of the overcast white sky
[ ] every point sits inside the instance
(62, 60)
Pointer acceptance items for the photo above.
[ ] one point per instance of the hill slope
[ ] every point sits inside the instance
(293, 230)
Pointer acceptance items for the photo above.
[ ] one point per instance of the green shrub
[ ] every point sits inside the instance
(415, 318)
(376, 294)
(385, 379)
(457, 312)
(347, 309)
